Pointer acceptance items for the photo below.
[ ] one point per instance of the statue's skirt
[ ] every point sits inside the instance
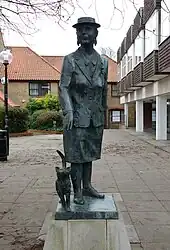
(83, 144)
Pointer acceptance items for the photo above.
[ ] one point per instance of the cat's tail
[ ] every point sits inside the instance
(63, 158)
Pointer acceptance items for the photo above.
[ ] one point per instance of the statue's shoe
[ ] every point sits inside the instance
(78, 199)
(91, 192)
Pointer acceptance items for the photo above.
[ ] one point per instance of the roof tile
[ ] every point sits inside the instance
(57, 62)
(27, 65)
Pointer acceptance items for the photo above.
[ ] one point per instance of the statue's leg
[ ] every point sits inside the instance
(88, 190)
(76, 177)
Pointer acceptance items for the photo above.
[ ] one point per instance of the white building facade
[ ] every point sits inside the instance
(144, 68)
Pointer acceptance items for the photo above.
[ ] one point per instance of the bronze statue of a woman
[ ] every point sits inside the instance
(83, 97)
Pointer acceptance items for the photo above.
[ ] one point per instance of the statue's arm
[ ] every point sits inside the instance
(105, 84)
(65, 80)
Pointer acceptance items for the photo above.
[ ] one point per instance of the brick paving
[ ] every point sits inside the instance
(136, 172)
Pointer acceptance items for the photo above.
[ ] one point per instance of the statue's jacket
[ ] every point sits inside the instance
(83, 90)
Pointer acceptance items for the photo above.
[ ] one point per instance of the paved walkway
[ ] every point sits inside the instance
(135, 171)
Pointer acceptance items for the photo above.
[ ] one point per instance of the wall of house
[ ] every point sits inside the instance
(112, 101)
(19, 92)
(131, 115)
(54, 88)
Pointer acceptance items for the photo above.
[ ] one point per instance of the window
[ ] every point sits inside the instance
(124, 64)
(114, 89)
(151, 34)
(115, 116)
(33, 89)
(130, 59)
(39, 88)
(165, 19)
(139, 48)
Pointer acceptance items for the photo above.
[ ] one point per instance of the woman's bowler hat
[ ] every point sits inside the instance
(86, 20)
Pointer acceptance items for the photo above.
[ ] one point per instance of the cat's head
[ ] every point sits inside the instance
(63, 173)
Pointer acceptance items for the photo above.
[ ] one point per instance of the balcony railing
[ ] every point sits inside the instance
(129, 81)
(122, 85)
(138, 79)
(138, 74)
(151, 69)
(164, 56)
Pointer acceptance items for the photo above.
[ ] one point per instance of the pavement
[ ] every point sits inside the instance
(133, 168)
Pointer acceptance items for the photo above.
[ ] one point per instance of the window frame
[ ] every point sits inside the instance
(40, 88)
(111, 116)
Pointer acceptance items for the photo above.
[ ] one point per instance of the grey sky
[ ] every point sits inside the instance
(53, 40)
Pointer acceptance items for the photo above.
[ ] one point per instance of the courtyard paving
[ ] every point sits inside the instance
(136, 172)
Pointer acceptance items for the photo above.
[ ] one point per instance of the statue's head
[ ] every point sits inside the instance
(86, 29)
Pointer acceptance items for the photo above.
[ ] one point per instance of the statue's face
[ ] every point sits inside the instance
(86, 34)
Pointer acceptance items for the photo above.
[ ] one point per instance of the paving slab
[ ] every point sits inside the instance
(133, 168)
(156, 246)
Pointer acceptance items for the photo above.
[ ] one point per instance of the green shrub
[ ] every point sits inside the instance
(49, 102)
(18, 119)
(45, 120)
(35, 104)
(33, 118)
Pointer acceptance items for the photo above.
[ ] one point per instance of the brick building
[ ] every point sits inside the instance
(30, 75)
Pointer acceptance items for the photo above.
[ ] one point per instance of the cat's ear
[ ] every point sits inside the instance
(57, 169)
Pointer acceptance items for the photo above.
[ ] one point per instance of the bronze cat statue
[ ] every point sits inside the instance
(63, 183)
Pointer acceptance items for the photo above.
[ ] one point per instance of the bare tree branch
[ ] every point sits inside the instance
(21, 15)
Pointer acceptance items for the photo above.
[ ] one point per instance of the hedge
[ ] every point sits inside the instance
(18, 119)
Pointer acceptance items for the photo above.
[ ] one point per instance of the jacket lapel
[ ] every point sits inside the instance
(80, 62)
(99, 66)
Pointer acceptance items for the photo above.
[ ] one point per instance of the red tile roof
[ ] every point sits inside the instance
(27, 65)
(10, 102)
(57, 61)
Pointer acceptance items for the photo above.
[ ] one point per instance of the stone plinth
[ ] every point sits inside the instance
(100, 229)
(92, 209)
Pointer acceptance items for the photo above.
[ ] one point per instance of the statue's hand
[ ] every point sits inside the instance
(68, 120)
